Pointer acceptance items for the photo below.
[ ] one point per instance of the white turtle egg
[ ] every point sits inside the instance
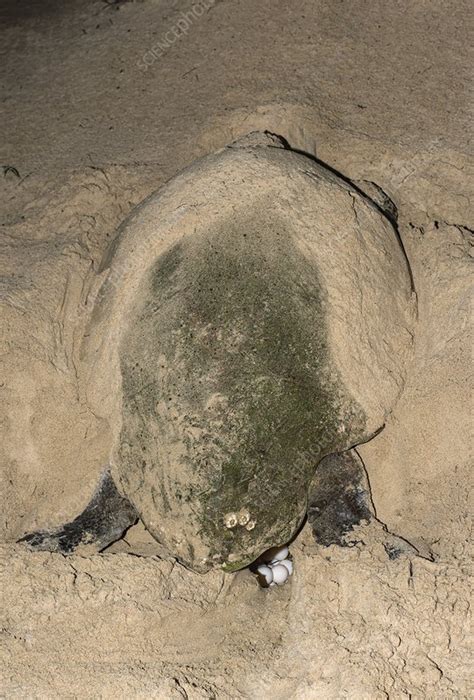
(265, 574)
(280, 574)
(276, 554)
(288, 564)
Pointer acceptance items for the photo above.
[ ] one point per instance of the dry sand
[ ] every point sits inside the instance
(380, 92)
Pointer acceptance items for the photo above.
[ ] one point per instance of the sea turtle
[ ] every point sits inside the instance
(255, 322)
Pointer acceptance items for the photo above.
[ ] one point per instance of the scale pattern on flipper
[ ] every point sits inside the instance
(104, 521)
(339, 498)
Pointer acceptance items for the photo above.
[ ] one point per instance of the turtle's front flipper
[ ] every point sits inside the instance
(339, 498)
(103, 521)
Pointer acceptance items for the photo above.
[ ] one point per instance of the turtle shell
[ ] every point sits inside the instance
(238, 329)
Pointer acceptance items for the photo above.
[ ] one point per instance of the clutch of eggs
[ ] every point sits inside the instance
(277, 567)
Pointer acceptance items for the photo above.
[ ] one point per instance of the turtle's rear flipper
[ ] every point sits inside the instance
(339, 498)
(103, 521)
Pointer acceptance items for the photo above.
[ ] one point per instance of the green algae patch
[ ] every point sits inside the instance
(230, 399)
